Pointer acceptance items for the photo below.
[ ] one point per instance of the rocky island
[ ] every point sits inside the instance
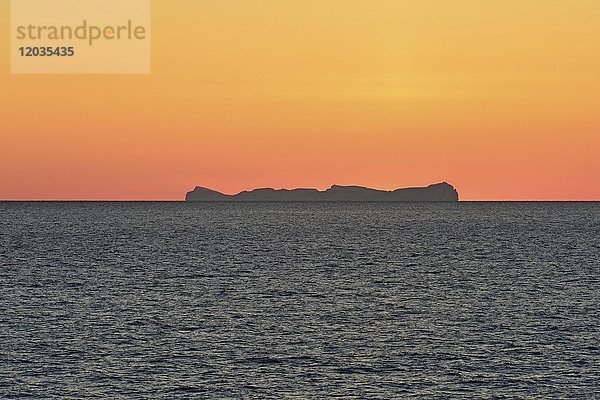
(439, 192)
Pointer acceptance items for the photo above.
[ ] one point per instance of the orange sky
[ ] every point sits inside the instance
(502, 99)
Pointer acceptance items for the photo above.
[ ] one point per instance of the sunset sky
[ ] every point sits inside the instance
(501, 99)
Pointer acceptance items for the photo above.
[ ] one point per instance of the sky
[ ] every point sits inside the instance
(501, 99)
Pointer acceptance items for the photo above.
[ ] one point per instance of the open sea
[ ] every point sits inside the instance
(300, 300)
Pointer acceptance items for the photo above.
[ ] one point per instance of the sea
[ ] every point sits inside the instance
(179, 300)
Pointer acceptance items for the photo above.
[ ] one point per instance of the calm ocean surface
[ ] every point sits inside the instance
(300, 300)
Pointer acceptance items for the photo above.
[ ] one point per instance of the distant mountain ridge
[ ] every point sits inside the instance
(439, 192)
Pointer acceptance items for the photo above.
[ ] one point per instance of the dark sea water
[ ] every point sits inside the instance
(301, 300)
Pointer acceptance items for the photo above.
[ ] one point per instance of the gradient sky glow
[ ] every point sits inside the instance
(501, 99)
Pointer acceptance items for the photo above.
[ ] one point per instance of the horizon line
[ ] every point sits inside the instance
(300, 201)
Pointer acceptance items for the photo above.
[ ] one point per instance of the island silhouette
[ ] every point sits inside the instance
(439, 192)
